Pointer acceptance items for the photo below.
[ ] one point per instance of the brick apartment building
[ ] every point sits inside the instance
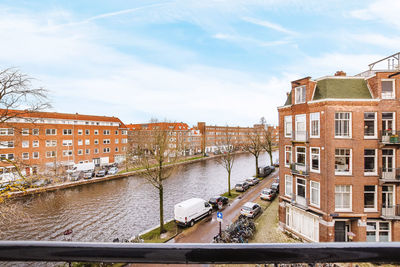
(340, 158)
(42, 141)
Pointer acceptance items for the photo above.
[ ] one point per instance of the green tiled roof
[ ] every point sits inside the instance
(342, 88)
(289, 99)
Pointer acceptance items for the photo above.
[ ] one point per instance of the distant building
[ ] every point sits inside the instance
(43, 141)
(339, 156)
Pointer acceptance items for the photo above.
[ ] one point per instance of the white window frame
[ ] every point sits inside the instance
(288, 120)
(106, 141)
(25, 131)
(374, 209)
(87, 141)
(106, 150)
(375, 127)
(35, 153)
(351, 199)
(51, 154)
(96, 141)
(87, 132)
(305, 154)
(67, 131)
(80, 151)
(67, 142)
(350, 163)
(87, 151)
(315, 186)
(96, 132)
(291, 156)
(35, 131)
(67, 153)
(80, 132)
(378, 229)
(106, 132)
(288, 180)
(375, 163)
(51, 143)
(315, 117)
(80, 142)
(350, 125)
(300, 94)
(305, 187)
(51, 131)
(319, 159)
(25, 144)
(96, 151)
(35, 143)
(393, 88)
(26, 154)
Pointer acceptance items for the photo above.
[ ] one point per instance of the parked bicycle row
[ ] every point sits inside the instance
(238, 232)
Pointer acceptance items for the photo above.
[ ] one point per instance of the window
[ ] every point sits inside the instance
(301, 155)
(301, 187)
(96, 132)
(288, 156)
(35, 131)
(25, 144)
(370, 125)
(51, 131)
(388, 124)
(315, 159)
(25, 155)
(106, 132)
(370, 162)
(117, 141)
(369, 198)
(106, 141)
(314, 125)
(87, 132)
(378, 231)
(343, 124)
(124, 148)
(80, 132)
(124, 132)
(96, 141)
(80, 142)
(342, 161)
(96, 151)
(7, 156)
(80, 151)
(6, 144)
(116, 149)
(116, 132)
(35, 143)
(343, 197)
(288, 185)
(288, 126)
(87, 151)
(35, 155)
(106, 150)
(25, 132)
(87, 142)
(67, 142)
(314, 193)
(50, 154)
(6, 131)
(67, 153)
(67, 132)
(300, 94)
(388, 91)
(50, 143)
(124, 140)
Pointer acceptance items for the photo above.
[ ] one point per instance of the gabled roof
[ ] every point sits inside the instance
(342, 88)
(176, 126)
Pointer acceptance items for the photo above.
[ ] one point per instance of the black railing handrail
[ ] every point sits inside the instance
(53, 251)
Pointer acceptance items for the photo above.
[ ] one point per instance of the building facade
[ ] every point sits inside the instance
(39, 142)
(339, 157)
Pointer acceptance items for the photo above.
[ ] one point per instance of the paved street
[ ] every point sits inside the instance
(205, 230)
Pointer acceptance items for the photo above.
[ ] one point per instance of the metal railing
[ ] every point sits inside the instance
(390, 137)
(300, 201)
(300, 136)
(299, 169)
(49, 251)
(389, 174)
(391, 211)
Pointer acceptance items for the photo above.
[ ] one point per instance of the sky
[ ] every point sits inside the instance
(225, 62)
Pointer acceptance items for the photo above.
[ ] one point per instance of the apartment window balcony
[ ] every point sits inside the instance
(390, 212)
(389, 174)
(300, 136)
(300, 202)
(299, 169)
(390, 137)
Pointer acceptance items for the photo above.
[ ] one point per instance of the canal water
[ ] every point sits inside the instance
(120, 208)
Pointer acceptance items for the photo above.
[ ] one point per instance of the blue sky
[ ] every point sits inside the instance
(222, 61)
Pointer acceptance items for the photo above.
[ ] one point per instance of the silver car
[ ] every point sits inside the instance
(250, 209)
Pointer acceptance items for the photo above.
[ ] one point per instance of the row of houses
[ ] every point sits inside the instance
(340, 157)
(40, 142)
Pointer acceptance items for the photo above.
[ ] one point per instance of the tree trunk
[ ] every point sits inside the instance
(161, 195)
(229, 183)
(270, 156)
(257, 171)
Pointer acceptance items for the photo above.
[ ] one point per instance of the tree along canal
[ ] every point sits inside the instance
(119, 208)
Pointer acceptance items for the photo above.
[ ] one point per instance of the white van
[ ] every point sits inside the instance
(191, 210)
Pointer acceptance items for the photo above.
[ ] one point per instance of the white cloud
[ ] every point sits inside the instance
(376, 39)
(245, 41)
(269, 25)
(386, 11)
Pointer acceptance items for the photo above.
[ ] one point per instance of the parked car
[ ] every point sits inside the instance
(250, 209)
(75, 176)
(264, 171)
(112, 171)
(88, 175)
(241, 187)
(186, 213)
(255, 180)
(214, 201)
(267, 194)
(272, 167)
(41, 182)
(101, 173)
(275, 187)
(276, 180)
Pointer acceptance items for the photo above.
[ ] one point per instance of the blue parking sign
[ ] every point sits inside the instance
(219, 215)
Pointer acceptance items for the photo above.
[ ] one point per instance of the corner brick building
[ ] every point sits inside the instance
(41, 141)
(339, 156)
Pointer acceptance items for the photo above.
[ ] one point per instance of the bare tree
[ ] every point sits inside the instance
(227, 159)
(255, 144)
(157, 150)
(268, 142)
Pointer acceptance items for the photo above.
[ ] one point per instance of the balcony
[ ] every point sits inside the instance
(390, 137)
(299, 169)
(300, 136)
(389, 174)
(300, 202)
(391, 212)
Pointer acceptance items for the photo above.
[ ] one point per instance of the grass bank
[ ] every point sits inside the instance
(153, 236)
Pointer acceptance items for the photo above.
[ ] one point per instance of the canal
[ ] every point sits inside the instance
(119, 208)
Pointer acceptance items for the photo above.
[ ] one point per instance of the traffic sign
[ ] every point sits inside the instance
(219, 216)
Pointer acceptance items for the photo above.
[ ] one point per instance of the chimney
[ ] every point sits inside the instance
(340, 73)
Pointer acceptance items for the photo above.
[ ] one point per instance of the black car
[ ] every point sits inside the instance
(214, 201)
(265, 171)
(275, 187)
